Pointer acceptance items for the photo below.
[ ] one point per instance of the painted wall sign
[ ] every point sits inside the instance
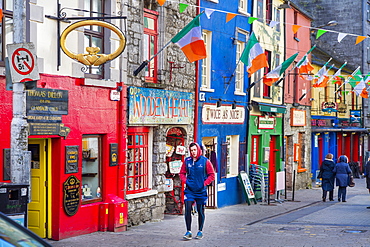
(346, 122)
(48, 129)
(71, 159)
(211, 114)
(266, 122)
(297, 117)
(155, 106)
(71, 195)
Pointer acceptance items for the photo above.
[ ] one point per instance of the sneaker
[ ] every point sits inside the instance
(199, 235)
(187, 236)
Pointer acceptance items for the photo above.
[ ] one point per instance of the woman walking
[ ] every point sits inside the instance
(327, 175)
(342, 175)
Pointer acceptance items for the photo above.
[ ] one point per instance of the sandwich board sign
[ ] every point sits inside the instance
(244, 180)
(22, 62)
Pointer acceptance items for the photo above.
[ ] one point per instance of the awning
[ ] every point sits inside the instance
(339, 130)
(270, 107)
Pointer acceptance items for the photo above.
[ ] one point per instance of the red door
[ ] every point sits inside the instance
(272, 165)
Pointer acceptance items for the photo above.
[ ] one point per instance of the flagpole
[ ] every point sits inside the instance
(309, 90)
(145, 63)
(346, 81)
(232, 75)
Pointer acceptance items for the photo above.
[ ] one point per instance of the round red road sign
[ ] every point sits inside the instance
(23, 61)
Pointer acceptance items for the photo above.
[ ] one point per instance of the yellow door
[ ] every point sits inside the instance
(37, 206)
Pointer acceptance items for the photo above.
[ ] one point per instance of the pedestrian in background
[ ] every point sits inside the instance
(342, 175)
(327, 175)
(196, 173)
(367, 175)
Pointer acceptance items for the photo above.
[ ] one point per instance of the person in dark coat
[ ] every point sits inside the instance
(327, 175)
(342, 175)
(367, 175)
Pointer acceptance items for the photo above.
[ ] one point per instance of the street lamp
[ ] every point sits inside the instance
(329, 24)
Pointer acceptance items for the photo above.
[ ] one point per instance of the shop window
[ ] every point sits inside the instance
(91, 169)
(232, 155)
(255, 149)
(206, 62)
(6, 28)
(150, 44)
(137, 160)
(94, 36)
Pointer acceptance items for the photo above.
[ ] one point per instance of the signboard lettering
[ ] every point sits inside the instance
(113, 154)
(71, 159)
(211, 114)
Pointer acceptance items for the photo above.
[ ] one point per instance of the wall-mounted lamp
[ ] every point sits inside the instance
(233, 105)
(219, 102)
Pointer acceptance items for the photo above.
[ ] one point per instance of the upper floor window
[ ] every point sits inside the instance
(91, 169)
(368, 11)
(94, 35)
(243, 6)
(6, 28)
(150, 44)
(206, 62)
(239, 73)
(269, 8)
(267, 89)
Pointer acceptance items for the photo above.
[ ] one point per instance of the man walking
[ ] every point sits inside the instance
(196, 172)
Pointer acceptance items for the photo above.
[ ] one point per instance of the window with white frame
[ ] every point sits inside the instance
(232, 155)
(243, 6)
(206, 63)
(239, 73)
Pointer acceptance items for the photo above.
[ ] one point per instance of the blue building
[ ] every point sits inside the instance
(222, 108)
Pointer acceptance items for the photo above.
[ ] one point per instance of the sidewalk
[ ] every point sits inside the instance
(231, 226)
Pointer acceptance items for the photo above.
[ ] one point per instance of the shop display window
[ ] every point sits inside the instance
(137, 162)
(91, 169)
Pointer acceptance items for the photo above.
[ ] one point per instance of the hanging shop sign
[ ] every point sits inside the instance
(297, 117)
(225, 114)
(71, 195)
(266, 122)
(329, 107)
(93, 57)
(346, 122)
(156, 106)
(355, 116)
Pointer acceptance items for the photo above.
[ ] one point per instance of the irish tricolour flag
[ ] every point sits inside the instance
(275, 74)
(190, 41)
(253, 56)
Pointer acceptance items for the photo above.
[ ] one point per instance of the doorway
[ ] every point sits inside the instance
(38, 207)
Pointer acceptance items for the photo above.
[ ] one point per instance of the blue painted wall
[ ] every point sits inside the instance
(223, 64)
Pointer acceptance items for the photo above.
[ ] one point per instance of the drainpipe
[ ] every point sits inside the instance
(196, 98)
(364, 63)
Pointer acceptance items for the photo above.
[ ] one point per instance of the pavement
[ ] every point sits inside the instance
(306, 221)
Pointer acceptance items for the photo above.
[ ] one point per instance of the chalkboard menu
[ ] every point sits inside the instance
(71, 195)
(71, 159)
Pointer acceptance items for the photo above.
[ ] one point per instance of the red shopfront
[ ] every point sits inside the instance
(77, 157)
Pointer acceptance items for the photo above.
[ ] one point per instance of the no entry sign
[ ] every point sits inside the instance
(23, 62)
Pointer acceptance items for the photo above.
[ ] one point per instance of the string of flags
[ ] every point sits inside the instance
(229, 16)
(190, 41)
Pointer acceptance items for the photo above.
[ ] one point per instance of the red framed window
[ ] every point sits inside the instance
(150, 44)
(137, 160)
(266, 89)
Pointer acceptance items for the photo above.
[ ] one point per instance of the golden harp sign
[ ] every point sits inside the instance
(92, 58)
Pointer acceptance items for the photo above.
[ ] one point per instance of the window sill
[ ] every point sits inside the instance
(242, 11)
(143, 194)
(207, 89)
(240, 93)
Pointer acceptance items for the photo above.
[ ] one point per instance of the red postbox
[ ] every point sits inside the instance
(103, 217)
(118, 211)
